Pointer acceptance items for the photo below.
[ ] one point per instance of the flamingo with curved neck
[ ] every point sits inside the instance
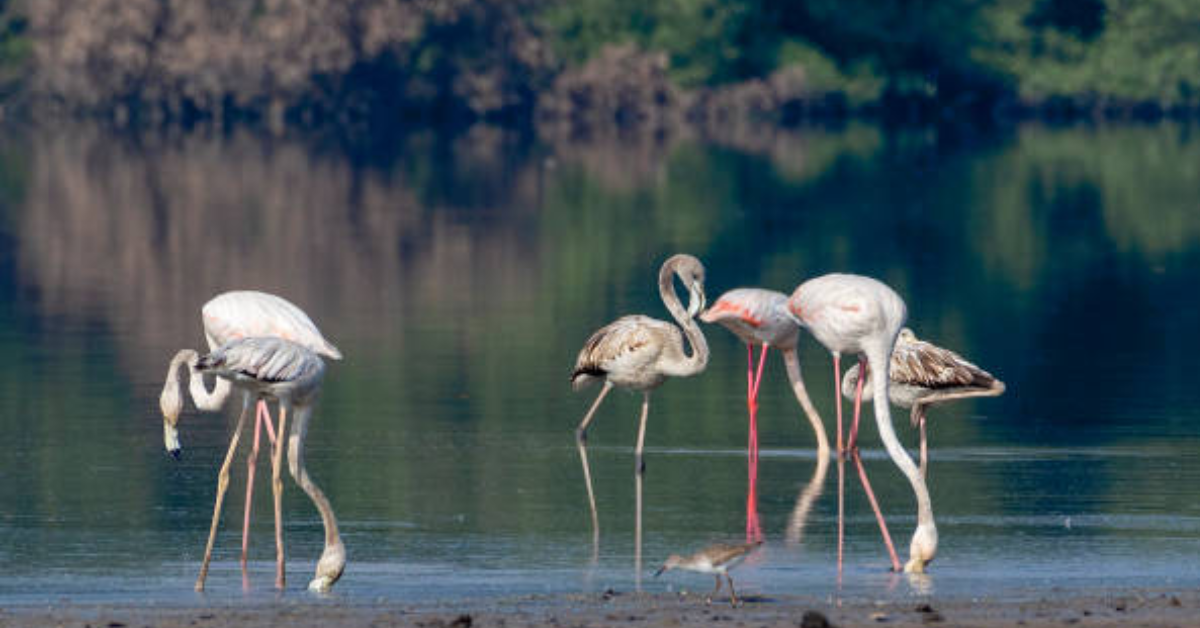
(640, 352)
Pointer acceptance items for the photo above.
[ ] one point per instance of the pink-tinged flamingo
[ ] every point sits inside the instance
(924, 374)
(640, 352)
(274, 368)
(860, 315)
(759, 317)
(227, 317)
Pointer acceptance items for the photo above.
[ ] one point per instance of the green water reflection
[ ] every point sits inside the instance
(461, 275)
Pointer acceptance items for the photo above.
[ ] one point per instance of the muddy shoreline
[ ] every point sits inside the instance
(1141, 607)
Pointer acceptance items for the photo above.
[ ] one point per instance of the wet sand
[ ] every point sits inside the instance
(1150, 608)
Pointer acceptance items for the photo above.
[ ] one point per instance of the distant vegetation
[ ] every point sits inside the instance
(358, 62)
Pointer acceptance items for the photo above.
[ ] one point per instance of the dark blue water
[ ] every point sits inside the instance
(461, 275)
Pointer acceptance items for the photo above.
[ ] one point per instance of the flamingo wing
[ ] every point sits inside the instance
(919, 363)
(249, 313)
(626, 345)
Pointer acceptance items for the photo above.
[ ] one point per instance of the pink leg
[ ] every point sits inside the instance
(852, 443)
(753, 526)
(852, 446)
(262, 414)
(887, 538)
(837, 396)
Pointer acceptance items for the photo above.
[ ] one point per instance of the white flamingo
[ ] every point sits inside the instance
(859, 315)
(640, 352)
(924, 374)
(274, 368)
(228, 317)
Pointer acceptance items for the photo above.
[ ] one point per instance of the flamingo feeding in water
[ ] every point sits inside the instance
(860, 315)
(228, 317)
(924, 374)
(275, 368)
(759, 317)
(640, 352)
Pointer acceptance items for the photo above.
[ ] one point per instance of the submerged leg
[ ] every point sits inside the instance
(277, 489)
(581, 431)
(222, 485)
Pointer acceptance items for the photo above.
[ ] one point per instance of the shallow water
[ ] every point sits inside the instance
(460, 277)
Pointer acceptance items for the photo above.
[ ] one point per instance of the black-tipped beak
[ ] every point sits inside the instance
(176, 453)
(660, 571)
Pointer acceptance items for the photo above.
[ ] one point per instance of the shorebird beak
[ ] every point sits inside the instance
(660, 571)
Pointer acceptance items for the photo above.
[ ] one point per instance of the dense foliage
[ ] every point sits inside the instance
(354, 60)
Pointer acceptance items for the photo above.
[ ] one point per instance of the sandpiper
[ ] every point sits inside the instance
(715, 559)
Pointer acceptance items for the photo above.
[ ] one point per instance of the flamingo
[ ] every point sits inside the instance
(227, 317)
(861, 315)
(271, 367)
(924, 374)
(759, 317)
(640, 352)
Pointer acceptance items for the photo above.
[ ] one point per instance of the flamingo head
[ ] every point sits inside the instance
(923, 548)
(673, 561)
(329, 568)
(171, 404)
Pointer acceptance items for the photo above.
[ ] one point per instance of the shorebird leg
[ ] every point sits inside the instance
(709, 599)
(277, 489)
(222, 484)
(581, 431)
(261, 415)
(837, 396)
(733, 599)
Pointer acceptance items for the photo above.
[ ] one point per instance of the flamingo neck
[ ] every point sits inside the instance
(682, 365)
(205, 400)
(792, 360)
(878, 359)
(299, 432)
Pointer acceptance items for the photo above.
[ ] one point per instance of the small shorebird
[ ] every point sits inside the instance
(759, 317)
(279, 369)
(715, 559)
(640, 352)
(227, 317)
(860, 315)
(924, 374)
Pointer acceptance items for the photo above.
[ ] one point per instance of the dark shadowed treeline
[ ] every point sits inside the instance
(596, 61)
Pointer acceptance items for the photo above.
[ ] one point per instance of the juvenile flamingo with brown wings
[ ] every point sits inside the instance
(640, 352)
(924, 374)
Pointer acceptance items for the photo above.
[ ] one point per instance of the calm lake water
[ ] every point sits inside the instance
(461, 275)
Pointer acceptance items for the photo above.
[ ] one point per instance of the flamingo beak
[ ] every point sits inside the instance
(171, 439)
(660, 571)
(697, 301)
